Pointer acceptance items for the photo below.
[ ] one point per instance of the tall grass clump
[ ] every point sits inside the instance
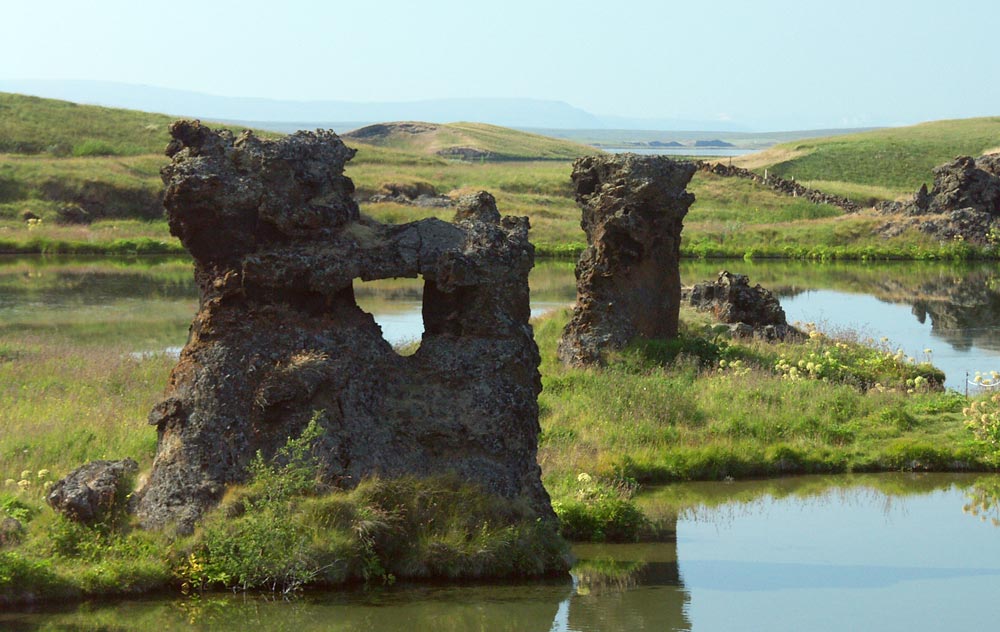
(286, 529)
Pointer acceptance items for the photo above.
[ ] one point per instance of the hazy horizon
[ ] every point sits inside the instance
(771, 65)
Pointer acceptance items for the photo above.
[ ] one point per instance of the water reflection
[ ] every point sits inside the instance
(886, 552)
(953, 310)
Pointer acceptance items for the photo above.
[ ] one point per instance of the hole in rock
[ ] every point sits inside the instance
(396, 305)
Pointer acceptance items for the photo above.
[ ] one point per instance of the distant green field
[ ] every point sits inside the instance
(495, 143)
(899, 159)
(54, 154)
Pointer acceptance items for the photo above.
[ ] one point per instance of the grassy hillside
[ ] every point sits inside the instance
(56, 153)
(529, 175)
(467, 140)
(32, 125)
(881, 163)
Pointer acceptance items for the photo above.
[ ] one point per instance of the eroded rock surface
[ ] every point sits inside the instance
(278, 240)
(628, 280)
(752, 311)
(964, 202)
(90, 492)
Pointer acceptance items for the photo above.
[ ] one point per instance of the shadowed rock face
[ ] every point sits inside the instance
(277, 241)
(753, 311)
(628, 280)
(964, 202)
(965, 183)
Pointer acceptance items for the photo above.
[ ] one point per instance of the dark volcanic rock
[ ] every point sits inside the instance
(73, 214)
(409, 190)
(780, 185)
(465, 153)
(479, 206)
(628, 281)
(89, 493)
(961, 184)
(278, 241)
(754, 310)
(963, 203)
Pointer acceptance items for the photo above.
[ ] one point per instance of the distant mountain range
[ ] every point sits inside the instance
(286, 115)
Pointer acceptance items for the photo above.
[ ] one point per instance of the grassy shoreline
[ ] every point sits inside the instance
(698, 408)
(752, 244)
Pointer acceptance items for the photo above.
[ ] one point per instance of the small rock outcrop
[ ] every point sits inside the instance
(91, 492)
(751, 311)
(279, 339)
(11, 531)
(421, 194)
(963, 202)
(627, 279)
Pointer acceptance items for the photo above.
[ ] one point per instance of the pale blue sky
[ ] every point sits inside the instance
(771, 64)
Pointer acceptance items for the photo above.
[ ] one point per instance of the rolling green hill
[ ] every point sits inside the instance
(885, 161)
(56, 156)
(468, 141)
(32, 125)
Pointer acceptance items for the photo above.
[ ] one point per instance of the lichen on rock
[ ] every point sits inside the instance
(279, 339)
(628, 279)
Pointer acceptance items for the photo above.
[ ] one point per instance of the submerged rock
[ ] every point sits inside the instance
(279, 339)
(91, 492)
(628, 280)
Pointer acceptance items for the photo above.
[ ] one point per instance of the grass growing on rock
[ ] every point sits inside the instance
(282, 531)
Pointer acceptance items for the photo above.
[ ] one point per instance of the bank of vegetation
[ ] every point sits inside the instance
(698, 407)
(701, 407)
(55, 155)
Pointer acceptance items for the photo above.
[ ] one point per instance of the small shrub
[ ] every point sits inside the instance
(20, 576)
(599, 512)
(982, 417)
(91, 147)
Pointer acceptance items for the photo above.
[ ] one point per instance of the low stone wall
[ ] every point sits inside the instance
(780, 185)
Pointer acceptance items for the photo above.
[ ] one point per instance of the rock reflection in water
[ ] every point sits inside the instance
(626, 587)
(866, 552)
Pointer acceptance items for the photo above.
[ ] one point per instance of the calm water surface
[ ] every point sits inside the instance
(700, 152)
(947, 314)
(877, 552)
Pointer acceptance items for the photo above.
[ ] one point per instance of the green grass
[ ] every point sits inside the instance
(672, 412)
(70, 391)
(730, 218)
(897, 160)
(33, 125)
(500, 143)
(281, 532)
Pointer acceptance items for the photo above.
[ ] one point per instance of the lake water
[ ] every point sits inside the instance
(885, 552)
(698, 152)
(952, 311)
(877, 552)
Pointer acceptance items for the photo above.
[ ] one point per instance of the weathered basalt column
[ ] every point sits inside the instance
(277, 241)
(628, 280)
